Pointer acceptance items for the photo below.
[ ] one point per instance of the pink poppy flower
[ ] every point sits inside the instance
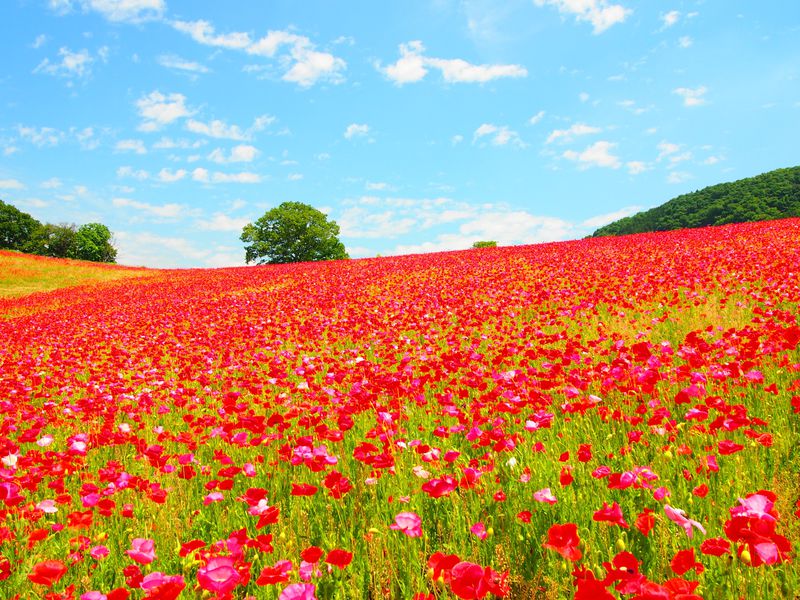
(678, 516)
(142, 551)
(219, 575)
(545, 495)
(99, 552)
(299, 591)
(409, 523)
(479, 530)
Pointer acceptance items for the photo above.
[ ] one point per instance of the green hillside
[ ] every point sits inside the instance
(772, 195)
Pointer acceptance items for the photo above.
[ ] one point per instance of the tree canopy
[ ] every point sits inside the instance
(16, 227)
(292, 232)
(20, 231)
(772, 195)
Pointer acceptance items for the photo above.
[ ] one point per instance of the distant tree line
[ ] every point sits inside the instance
(20, 231)
(772, 195)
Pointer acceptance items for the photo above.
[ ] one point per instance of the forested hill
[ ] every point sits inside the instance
(772, 195)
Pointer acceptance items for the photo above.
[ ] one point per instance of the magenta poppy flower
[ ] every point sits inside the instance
(299, 591)
(142, 551)
(219, 575)
(409, 523)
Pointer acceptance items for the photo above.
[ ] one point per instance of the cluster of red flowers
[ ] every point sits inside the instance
(467, 580)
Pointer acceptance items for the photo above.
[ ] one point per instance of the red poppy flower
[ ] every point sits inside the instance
(684, 561)
(564, 540)
(611, 514)
(339, 558)
(303, 489)
(48, 572)
(715, 546)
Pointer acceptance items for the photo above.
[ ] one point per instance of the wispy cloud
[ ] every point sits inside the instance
(219, 129)
(569, 134)
(130, 11)
(70, 64)
(136, 146)
(356, 130)
(172, 61)
(597, 155)
(498, 135)
(11, 184)
(240, 153)
(600, 13)
(158, 110)
(302, 63)
(413, 66)
(692, 96)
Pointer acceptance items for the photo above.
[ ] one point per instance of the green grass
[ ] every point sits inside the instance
(24, 274)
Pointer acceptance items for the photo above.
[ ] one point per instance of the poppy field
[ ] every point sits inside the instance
(604, 418)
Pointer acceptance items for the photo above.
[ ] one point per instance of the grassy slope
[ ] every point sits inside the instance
(23, 274)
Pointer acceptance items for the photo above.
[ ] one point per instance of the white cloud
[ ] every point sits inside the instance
(40, 136)
(666, 148)
(712, 160)
(243, 177)
(413, 66)
(600, 13)
(40, 41)
(457, 139)
(240, 153)
(166, 143)
(636, 166)
(86, 138)
(136, 146)
(171, 61)
(131, 11)
(147, 249)
(51, 184)
(161, 211)
(167, 176)
(158, 110)
(216, 129)
(204, 176)
(72, 64)
(126, 171)
(583, 97)
(221, 130)
(601, 220)
(678, 177)
(685, 41)
(303, 64)
(356, 130)
(294, 176)
(9, 150)
(202, 32)
(567, 135)
(692, 96)
(630, 106)
(498, 135)
(376, 186)
(200, 174)
(222, 222)
(535, 119)
(669, 19)
(11, 184)
(596, 155)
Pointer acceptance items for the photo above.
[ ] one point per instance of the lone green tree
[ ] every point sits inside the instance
(292, 232)
(16, 227)
(93, 242)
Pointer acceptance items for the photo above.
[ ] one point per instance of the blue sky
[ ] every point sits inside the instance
(416, 125)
